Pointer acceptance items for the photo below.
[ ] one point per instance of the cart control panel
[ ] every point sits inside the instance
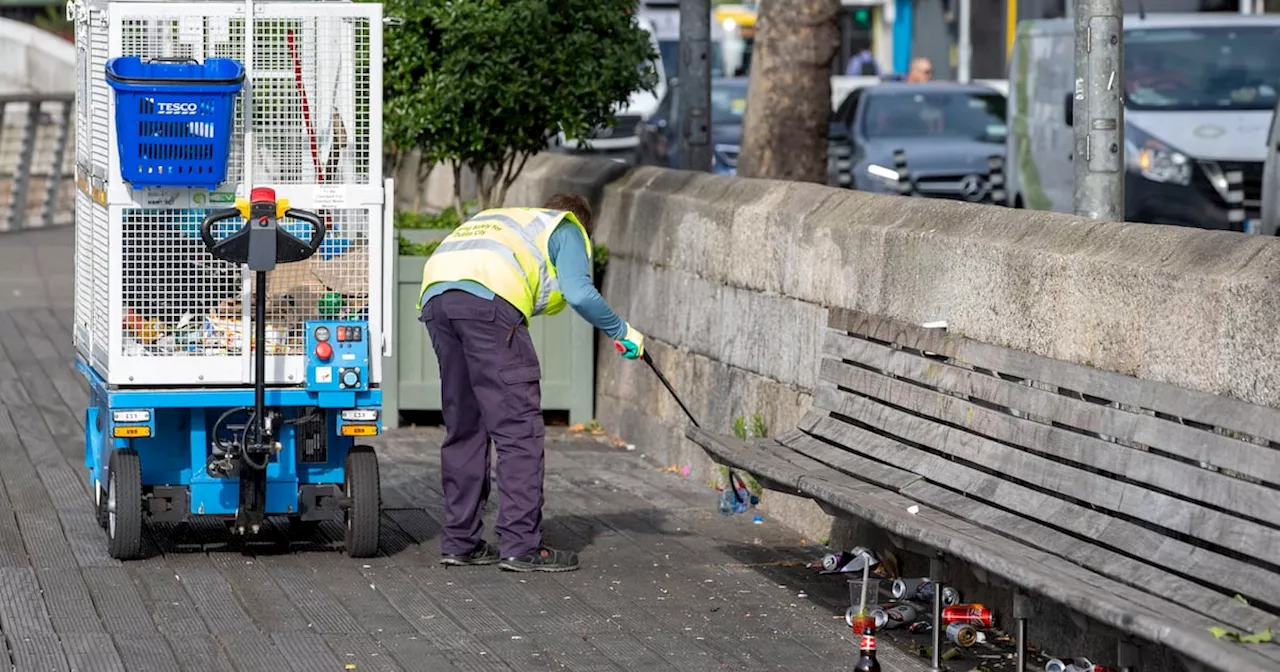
(337, 356)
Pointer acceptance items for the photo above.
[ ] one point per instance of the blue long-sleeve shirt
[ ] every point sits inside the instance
(569, 255)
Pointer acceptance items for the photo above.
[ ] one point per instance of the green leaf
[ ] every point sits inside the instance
(1240, 598)
(485, 83)
(1261, 637)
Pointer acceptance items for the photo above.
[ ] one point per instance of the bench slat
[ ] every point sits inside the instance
(1248, 499)
(1009, 559)
(1203, 407)
(848, 463)
(758, 461)
(1133, 500)
(1206, 566)
(1158, 583)
(1256, 461)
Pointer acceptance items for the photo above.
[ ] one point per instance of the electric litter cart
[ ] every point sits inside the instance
(233, 262)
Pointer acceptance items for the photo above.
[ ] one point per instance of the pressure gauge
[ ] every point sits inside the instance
(322, 334)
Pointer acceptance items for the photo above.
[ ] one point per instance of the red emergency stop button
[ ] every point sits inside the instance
(324, 351)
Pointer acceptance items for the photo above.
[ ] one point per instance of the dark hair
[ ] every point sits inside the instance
(575, 204)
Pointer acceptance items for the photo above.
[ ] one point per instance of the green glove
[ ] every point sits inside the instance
(631, 345)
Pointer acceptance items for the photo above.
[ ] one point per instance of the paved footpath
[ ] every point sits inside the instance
(666, 584)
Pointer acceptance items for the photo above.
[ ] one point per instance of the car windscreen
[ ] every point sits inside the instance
(934, 114)
(728, 102)
(1202, 68)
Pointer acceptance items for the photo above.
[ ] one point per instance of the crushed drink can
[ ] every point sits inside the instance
(976, 615)
(920, 627)
(893, 615)
(1076, 665)
(905, 589)
(962, 634)
(926, 589)
(833, 561)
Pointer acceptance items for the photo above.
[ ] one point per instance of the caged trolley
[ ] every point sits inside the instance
(233, 262)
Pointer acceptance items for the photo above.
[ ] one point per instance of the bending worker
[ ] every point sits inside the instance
(479, 289)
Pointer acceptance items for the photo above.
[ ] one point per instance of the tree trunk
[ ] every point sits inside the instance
(784, 135)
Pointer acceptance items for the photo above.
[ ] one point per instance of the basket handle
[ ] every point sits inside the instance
(173, 59)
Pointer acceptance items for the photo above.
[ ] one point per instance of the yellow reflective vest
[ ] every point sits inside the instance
(505, 249)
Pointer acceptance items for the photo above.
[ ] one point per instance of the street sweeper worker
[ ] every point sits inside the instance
(479, 289)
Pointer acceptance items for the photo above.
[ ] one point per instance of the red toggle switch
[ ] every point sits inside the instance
(324, 351)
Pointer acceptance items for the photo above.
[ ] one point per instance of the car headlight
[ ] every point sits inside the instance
(1155, 160)
(887, 179)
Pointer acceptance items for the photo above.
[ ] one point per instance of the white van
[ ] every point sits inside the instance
(1199, 94)
(1271, 180)
(620, 141)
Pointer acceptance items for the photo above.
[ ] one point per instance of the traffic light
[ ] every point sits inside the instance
(862, 18)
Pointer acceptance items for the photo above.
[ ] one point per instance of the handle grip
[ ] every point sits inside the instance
(317, 226)
(173, 59)
(206, 228)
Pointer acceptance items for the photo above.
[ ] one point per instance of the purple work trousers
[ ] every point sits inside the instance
(489, 387)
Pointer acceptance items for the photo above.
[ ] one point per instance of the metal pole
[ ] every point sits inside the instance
(965, 48)
(694, 152)
(1099, 109)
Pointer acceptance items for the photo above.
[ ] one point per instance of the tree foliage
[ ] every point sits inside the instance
(485, 83)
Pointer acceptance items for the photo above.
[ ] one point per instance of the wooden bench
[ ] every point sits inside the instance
(1144, 506)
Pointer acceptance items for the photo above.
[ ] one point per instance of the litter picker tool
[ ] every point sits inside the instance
(733, 478)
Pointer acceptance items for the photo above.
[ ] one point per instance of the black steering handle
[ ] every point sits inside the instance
(206, 228)
(259, 238)
(318, 229)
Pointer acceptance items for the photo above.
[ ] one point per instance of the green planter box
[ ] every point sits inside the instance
(565, 345)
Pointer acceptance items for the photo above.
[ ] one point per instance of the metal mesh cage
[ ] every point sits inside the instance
(179, 301)
(153, 306)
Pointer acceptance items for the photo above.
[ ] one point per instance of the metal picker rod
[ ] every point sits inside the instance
(667, 384)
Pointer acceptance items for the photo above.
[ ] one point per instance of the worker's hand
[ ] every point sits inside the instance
(631, 345)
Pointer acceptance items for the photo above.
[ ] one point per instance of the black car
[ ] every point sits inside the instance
(660, 134)
(947, 132)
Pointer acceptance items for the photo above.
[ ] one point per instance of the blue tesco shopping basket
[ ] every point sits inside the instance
(174, 119)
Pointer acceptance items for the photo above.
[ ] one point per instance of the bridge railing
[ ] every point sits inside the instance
(37, 160)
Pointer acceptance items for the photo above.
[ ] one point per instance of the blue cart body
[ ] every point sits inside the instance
(171, 430)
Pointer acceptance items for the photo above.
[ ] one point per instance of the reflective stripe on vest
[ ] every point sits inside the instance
(529, 233)
(519, 238)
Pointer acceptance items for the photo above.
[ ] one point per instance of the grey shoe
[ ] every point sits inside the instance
(482, 554)
(542, 560)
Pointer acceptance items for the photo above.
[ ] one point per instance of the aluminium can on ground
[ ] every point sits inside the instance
(962, 634)
(894, 615)
(972, 614)
(922, 590)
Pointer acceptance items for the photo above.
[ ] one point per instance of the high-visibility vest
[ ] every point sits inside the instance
(505, 249)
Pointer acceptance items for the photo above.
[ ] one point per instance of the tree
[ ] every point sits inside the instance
(485, 83)
(784, 135)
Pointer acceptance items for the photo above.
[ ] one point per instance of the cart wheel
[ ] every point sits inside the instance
(365, 498)
(124, 505)
(104, 518)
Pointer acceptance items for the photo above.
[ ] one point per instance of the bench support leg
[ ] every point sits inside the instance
(1126, 655)
(1021, 613)
(936, 576)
